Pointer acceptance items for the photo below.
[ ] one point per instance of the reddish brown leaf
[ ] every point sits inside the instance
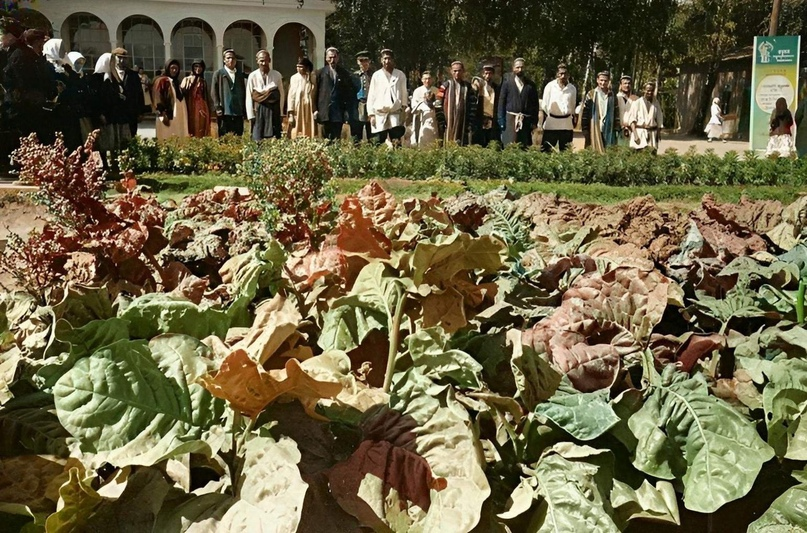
(379, 205)
(357, 233)
(406, 472)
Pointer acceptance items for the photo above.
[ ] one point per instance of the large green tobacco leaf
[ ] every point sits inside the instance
(250, 273)
(428, 350)
(572, 484)
(534, 375)
(156, 313)
(657, 503)
(685, 433)
(784, 400)
(79, 501)
(81, 342)
(585, 416)
(370, 305)
(28, 425)
(139, 402)
(271, 494)
(439, 260)
(787, 514)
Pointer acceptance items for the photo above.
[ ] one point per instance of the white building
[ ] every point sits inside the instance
(155, 30)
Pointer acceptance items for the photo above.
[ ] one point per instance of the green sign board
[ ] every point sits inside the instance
(775, 75)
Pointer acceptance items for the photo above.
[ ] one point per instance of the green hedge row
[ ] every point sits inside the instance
(617, 167)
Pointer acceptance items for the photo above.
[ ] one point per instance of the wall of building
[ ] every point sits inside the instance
(216, 16)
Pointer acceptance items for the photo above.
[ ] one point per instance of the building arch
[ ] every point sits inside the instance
(86, 33)
(31, 18)
(143, 38)
(191, 39)
(292, 40)
(246, 38)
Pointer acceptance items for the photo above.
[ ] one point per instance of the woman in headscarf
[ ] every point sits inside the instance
(54, 53)
(168, 100)
(98, 105)
(302, 88)
(714, 129)
(82, 99)
(194, 90)
(781, 137)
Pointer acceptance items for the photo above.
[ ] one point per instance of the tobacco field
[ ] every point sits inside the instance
(275, 359)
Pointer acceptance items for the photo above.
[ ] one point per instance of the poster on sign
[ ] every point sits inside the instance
(775, 75)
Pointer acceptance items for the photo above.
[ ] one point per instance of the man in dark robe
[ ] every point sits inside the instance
(336, 95)
(487, 128)
(455, 106)
(518, 107)
(129, 99)
(229, 94)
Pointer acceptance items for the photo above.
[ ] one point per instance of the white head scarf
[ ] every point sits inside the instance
(72, 57)
(54, 53)
(103, 64)
(716, 101)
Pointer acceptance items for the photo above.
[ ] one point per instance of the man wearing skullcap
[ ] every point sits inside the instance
(228, 91)
(360, 123)
(624, 99)
(455, 106)
(387, 100)
(518, 107)
(124, 92)
(558, 103)
(600, 119)
(487, 128)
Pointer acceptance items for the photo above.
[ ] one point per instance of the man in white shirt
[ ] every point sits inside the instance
(387, 100)
(264, 96)
(560, 98)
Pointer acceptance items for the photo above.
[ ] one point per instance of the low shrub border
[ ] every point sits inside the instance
(621, 167)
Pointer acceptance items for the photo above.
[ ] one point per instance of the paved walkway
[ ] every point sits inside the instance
(681, 143)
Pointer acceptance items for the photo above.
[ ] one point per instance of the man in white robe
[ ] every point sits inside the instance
(424, 118)
(265, 95)
(624, 99)
(646, 120)
(387, 101)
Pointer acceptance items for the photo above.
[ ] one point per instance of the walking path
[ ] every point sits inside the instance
(681, 143)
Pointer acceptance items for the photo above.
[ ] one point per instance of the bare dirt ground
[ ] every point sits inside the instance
(17, 216)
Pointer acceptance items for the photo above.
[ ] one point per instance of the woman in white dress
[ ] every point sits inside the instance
(302, 89)
(424, 119)
(714, 129)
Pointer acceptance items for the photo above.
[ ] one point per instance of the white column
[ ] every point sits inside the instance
(168, 52)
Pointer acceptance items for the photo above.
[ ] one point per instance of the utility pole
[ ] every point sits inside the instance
(774, 28)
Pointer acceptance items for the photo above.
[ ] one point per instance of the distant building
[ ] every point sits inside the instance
(154, 30)
(733, 87)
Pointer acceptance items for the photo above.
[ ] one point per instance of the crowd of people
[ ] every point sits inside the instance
(377, 106)
(46, 90)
